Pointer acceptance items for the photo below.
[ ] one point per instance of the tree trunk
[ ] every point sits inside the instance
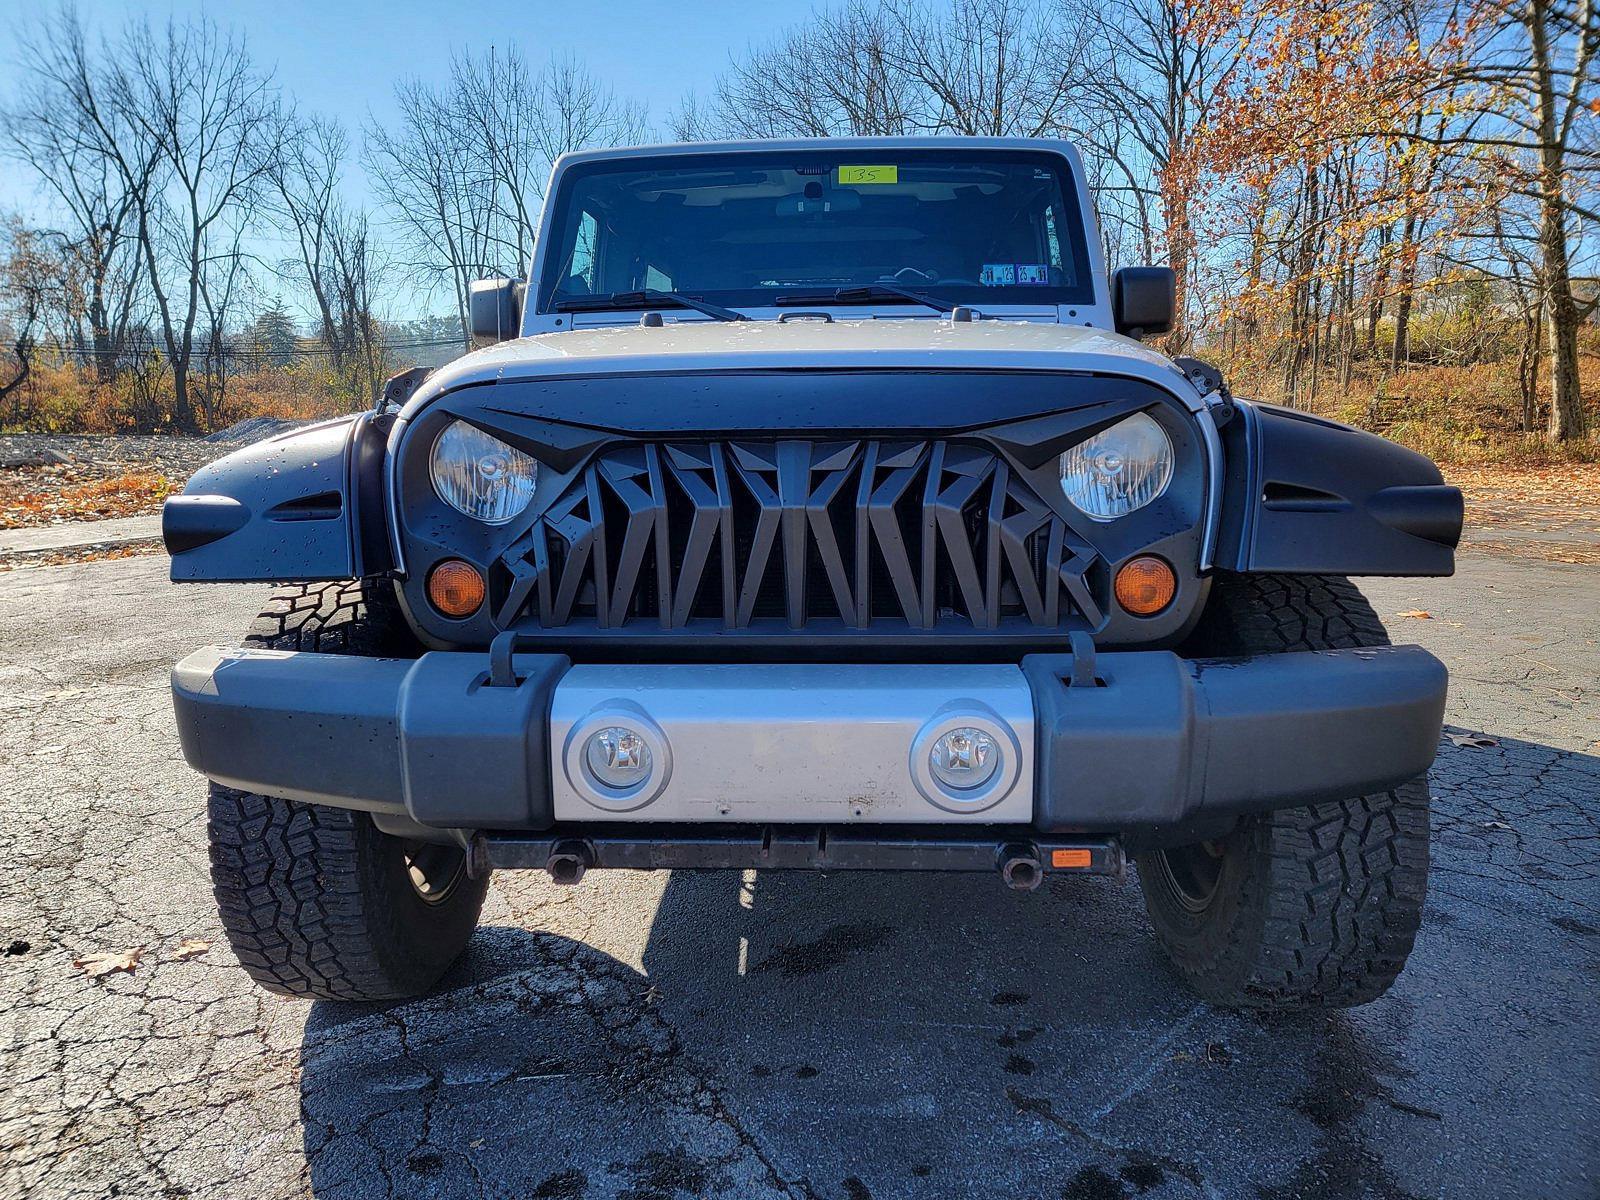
(1528, 369)
(1561, 309)
(105, 367)
(1567, 421)
(1562, 317)
(23, 349)
(1402, 330)
(1380, 284)
(182, 406)
(1405, 288)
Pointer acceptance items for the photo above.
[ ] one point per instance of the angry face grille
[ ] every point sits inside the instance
(863, 534)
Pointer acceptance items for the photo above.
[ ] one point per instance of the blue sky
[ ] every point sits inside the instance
(343, 57)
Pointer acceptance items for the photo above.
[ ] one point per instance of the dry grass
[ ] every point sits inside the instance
(68, 399)
(1467, 416)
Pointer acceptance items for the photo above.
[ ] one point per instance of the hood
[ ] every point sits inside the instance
(699, 346)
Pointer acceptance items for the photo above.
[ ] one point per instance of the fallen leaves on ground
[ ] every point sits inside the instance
(32, 498)
(1472, 741)
(191, 948)
(1419, 614)
(1542, 499)
(1553, 483)
(97, 965)
(1544, 550)
(80, 554)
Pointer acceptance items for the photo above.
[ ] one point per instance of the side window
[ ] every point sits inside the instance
(657, 280)
(584, 251)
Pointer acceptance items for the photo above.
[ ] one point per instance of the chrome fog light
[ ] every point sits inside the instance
(964, 758)
(618, 757)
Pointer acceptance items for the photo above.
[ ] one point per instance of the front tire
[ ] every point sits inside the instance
(318, 902)
(1298, 907)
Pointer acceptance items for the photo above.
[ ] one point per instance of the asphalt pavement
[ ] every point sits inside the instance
(656, 1036)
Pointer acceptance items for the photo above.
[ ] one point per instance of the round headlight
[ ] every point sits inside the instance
(1119, 470)
(480, 475)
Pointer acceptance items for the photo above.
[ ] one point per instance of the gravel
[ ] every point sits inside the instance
(104, 455)
(252, 429)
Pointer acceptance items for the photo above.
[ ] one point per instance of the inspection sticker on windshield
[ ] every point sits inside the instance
(860, 174)
(1015, 275)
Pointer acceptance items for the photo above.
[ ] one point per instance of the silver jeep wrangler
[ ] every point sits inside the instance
(817, 505)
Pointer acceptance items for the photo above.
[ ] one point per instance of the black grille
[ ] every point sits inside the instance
(863, 534)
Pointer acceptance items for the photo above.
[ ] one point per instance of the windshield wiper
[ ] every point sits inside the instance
(867, 294)
(648, 298)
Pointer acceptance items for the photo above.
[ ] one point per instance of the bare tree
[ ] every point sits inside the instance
(1547, 71)
(895, 67)
(461, 173)
(1000, 68)
(840, 73)
(305, 183)
(55, 128)
(439, 212)
(193, 95)
(358, 271)
(1145, 88)
(32, 278)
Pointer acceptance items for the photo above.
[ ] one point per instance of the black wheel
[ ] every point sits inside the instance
(1301, 907)
(317, 901)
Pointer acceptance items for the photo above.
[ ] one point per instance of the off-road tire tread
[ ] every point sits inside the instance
(1331, 895)
(352, 616)
(287, 887)
(301, 888)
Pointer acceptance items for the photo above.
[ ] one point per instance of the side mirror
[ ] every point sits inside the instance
(494, 309)
(1144, 300)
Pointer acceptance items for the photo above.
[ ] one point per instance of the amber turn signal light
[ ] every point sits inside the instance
(455, 588)
(1145, 585)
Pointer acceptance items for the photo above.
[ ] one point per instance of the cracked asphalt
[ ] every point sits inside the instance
(853, 1036)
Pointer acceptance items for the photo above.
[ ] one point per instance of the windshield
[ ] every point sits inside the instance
(760, 229)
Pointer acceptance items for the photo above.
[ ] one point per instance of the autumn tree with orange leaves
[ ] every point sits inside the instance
(1316, 209)
(1352, 141)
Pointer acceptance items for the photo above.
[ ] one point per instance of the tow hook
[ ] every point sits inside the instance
(1020, 868)
(568, 861)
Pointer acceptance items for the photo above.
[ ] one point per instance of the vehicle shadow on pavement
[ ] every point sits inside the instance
(877, 1035)
(871, 1035)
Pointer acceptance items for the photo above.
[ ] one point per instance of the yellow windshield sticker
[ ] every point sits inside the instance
(859, 175)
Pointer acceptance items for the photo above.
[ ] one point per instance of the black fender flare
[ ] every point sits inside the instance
(305, 506)
(1307, 496)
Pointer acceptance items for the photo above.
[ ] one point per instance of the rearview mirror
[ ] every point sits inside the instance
(494, 308)
(1143, 300)
(840, 200)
